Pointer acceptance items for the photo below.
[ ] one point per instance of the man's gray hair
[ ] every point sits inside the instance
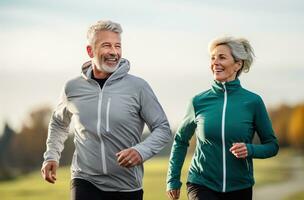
(241, 50)
(102, 25)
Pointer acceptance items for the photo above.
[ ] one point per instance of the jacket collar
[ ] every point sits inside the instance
(218, 87)
(121, 71)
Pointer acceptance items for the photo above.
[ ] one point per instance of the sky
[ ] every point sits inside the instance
(43, 45)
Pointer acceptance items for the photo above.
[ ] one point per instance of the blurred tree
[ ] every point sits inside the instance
(5, 141)
(296, 127)
(280, 122)
(28, 145)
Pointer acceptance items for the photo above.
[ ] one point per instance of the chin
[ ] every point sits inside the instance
(218, 79)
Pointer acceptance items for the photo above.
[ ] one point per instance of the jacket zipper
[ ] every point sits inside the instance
(102, 149)
(223, 138)
(108, 114)
(102, 145)
(247, 164)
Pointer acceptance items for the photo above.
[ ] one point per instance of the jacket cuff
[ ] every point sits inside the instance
(143, 152)
(44, 162)
(174, 185)
(250, 150)
(48, 156)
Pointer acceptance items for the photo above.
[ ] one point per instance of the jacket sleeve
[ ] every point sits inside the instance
(156, 120)
(269, 144)
(58, 130)
(179, 148)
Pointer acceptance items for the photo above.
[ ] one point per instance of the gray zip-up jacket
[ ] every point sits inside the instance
(106, 121)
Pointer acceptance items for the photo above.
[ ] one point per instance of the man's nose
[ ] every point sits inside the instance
(113, 50)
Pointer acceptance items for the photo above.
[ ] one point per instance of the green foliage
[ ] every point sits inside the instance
(296, 127)
(5, 141)
(280, 120)
(288, 124)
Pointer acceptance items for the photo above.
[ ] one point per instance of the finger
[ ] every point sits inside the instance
(242, 155)
(136, 157)
(43, 172)
(177, 192)
(51, 174)
(171, 194)
(240, 150)
(237, 146)
(126, 157)
(49, 178)
(120, 156)
(234, 146)
(174, 194)
(124, 160)
(129, 163)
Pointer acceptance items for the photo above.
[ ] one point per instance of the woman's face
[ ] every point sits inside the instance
(223, 66)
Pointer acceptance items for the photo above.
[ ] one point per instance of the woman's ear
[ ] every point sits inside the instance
(239, 65)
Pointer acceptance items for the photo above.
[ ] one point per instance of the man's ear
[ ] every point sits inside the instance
(90, 51)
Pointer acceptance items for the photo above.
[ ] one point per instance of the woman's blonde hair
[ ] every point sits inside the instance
(241, 50)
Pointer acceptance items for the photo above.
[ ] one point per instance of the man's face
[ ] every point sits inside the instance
(107, 51)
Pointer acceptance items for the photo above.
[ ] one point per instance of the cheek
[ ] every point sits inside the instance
(211, 67)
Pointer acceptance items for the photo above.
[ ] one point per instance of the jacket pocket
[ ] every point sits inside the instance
(247, 164)
(108, 115)
(200, 128)
(137, 176)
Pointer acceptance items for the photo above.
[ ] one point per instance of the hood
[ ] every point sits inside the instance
(121, 71)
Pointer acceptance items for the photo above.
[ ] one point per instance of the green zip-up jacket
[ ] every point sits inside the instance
(221, 116)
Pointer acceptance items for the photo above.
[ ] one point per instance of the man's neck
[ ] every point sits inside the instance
(100, 74)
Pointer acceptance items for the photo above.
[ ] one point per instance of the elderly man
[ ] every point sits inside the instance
(108, 108)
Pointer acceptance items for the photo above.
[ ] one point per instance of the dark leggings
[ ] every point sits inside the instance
(199, 192)
(84, 190)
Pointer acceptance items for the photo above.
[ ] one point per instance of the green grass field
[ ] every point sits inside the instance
(33, 187)
(297, 196)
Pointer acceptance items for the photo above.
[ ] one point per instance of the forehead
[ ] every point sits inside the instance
(221, 49)
(107, 36)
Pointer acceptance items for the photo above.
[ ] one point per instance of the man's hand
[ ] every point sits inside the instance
(239, 150)
(128, 158)
(48, 171)
(173, 194)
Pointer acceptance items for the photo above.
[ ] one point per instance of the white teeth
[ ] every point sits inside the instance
(218, 70)
(111, 59)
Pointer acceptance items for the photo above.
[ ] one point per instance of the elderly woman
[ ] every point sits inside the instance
(225, 119)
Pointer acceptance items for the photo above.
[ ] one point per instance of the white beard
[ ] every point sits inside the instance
(103, 67)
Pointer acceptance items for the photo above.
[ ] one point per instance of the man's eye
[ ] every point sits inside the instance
(106, 45)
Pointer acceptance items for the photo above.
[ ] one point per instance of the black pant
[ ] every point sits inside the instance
(200, 192)
(84, 190)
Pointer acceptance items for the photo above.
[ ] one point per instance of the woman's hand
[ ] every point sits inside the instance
(239, 150)
(173, 194)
